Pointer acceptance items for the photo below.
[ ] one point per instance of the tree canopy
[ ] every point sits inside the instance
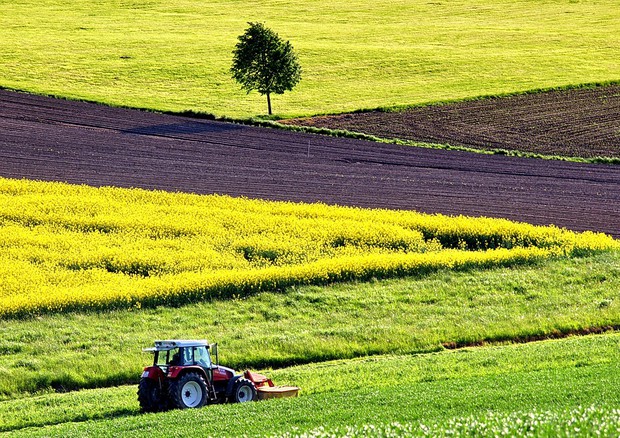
(264, 62)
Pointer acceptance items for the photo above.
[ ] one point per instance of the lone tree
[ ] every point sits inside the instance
(262, 61)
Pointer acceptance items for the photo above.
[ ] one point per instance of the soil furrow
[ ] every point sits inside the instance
(578, 122)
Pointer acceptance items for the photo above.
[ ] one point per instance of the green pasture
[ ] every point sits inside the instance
(313, 324)
(176, 55)
(431, 389)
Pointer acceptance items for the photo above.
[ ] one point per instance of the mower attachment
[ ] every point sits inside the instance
(266, 389)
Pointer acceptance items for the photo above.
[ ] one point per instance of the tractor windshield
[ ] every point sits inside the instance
(184, 356)
(202, 357)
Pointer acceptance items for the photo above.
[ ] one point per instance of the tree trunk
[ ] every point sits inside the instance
(268, 103)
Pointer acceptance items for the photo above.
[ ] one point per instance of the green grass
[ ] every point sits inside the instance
(430, 388)
(313, 324)
(355, 54)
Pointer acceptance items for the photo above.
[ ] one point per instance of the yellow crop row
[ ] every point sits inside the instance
(68, 247)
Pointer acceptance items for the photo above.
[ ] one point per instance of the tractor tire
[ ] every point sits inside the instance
(151, 397)
(188, 391)
(243, 391)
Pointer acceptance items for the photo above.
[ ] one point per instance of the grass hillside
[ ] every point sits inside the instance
(554, 388)
(355, 54)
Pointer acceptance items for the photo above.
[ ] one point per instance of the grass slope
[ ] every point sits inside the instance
(355, 54)
(428, 388)
(313, 324)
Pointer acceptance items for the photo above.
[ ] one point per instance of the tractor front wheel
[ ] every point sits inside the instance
(150, 396)
(244, 391)
(188, 391)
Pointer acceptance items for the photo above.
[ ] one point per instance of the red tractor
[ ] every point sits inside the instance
(184, 376)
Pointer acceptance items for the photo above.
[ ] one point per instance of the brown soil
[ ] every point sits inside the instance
(57, 140)
(572, 123)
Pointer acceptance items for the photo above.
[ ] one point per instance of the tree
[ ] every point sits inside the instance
(262, 61)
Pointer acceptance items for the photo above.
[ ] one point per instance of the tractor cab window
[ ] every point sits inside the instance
(201, 357)
(169, 357)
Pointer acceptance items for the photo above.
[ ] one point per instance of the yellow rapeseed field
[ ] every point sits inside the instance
(65, 247)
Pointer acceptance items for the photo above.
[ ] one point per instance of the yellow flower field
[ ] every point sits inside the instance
(65, 247)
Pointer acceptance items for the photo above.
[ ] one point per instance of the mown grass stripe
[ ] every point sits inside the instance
(427, 384)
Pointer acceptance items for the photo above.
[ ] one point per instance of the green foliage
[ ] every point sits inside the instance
(313, 324)
(264, 62)
(546, 379)
(356, 54)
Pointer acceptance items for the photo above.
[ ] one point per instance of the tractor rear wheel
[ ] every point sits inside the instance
(151, 396)
(188, 391)
(244, 391)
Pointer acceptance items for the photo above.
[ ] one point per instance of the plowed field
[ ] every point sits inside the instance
(76, 142)
(573, 123)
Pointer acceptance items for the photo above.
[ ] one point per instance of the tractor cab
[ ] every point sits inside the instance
(181, 353)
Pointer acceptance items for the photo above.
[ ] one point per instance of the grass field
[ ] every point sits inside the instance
(539, 381)
(313, 324)
(355, 54)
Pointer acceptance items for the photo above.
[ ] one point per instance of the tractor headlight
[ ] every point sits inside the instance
(145, 373)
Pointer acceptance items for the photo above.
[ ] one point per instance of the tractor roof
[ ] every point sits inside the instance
(176, 343)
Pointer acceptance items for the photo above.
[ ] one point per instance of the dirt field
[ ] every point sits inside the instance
(76, 142)
(574, 123)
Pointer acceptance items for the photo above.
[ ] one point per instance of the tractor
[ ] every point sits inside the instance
(183, 376)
